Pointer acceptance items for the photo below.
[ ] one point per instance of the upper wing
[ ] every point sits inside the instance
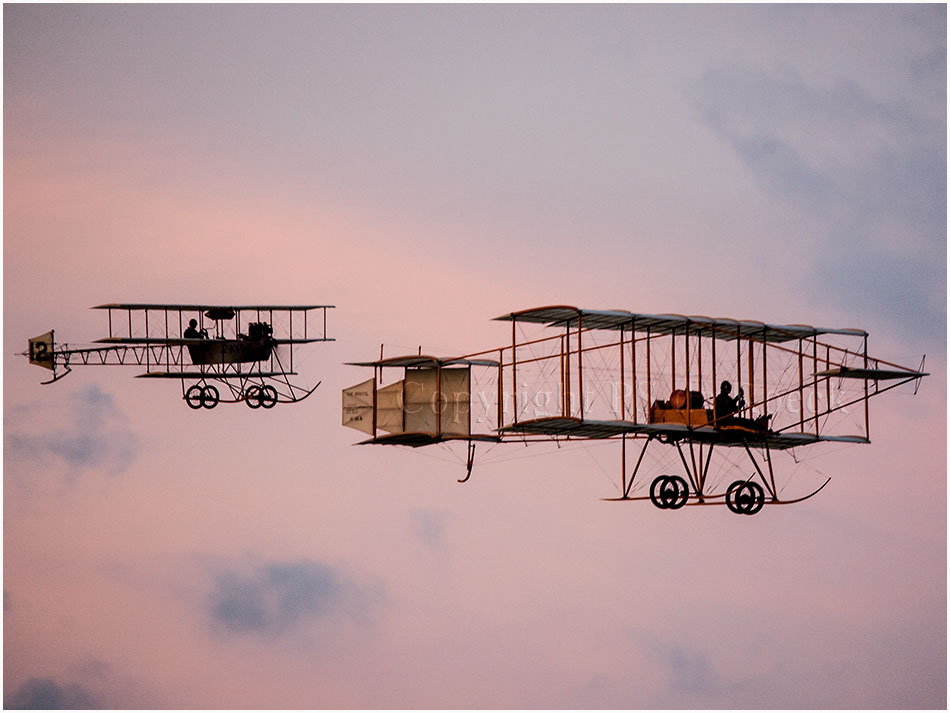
(136, 307)
(180, 341)
(657, 324)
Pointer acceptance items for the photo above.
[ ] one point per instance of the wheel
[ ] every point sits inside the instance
(733, 501)
(669, 492)
(745, 497)
(193, 397)
(656, 489)
(682, 492)
(758, 499)
(252, 397)
(209, 396)
(268, 398)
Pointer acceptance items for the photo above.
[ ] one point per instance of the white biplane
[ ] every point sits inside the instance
(247, 350)
(697, 385)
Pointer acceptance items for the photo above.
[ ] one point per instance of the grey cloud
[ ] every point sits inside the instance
(691, 672)
(278, 597)
(783, 168)
(871, 172)
(909, 181)
(802, 140)
(930, 64)
(95, 436)
(693, 679)
(47, 694)
(888, 283)
(429, 527)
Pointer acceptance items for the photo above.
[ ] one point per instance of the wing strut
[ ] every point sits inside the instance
(636, 468)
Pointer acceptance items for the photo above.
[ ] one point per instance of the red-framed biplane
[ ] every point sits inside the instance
(706, 389)
(247, 350)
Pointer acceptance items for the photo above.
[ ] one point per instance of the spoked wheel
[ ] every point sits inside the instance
(199, 396)
(252, 397)
(268, 397)
(261, 396)
(193, 396)
(209, 396)
(745, 497)
(669, 492)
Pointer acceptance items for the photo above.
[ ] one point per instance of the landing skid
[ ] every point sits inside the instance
(256, 395)
(743, 497)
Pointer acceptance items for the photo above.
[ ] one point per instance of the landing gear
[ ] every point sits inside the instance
(745, 497)
(669, 492)
(202, 396)
(261, 397)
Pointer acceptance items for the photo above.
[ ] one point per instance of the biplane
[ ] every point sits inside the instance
(701, 389)
(247, 351)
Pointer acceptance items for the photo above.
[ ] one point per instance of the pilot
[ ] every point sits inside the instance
(193, 332)
(727, 407)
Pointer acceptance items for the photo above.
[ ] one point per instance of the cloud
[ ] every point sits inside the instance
(895, 285)
(85, 683)
(279, 597)
(694, 680)
(429, 527)
(870, 174)
(94, 435)
(47, 694)
(834, 148)
(692, 672)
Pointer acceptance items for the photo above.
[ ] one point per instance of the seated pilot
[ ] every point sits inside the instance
(728, 407)
(193, 332)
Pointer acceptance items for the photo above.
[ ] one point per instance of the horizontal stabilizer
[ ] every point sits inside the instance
(416, 440)
(846, 372)
(421, 361)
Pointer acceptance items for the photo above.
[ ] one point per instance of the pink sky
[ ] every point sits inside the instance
(426, 169)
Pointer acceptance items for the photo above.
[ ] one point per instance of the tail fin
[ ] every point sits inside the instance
(41, 351)
(920, 370)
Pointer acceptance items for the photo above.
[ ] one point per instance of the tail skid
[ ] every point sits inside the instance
(470, 462)
(57, 377)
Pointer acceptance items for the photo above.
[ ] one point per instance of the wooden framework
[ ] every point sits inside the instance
(795, 374)
(238, 349)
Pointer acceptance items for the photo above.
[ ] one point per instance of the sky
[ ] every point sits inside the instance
(426, 168)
